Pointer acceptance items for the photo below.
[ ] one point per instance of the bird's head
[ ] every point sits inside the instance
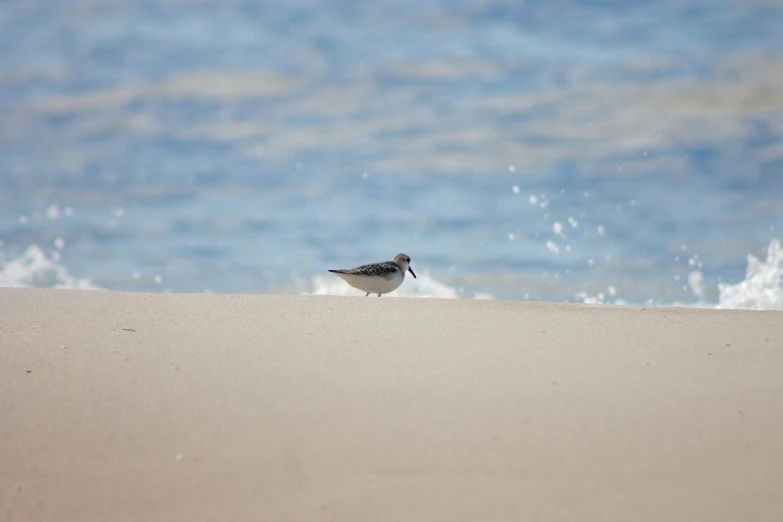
(404, 262)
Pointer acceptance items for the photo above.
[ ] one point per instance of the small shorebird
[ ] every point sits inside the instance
(378, 278)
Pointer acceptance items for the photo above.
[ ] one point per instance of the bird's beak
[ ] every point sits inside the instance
(411, 271)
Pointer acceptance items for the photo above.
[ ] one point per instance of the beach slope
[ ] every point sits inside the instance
(159, 407)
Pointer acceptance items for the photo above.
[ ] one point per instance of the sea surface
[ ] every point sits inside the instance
(624, 152)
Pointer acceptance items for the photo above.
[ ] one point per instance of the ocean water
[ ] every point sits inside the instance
(620, 152)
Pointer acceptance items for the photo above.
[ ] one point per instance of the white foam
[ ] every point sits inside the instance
(762, 288)
(35, 268)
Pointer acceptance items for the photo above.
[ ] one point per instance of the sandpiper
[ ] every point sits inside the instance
(378, 278)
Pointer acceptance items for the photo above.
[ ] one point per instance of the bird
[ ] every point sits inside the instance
(378, 278)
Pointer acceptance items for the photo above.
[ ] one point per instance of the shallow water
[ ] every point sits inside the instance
(619, 152)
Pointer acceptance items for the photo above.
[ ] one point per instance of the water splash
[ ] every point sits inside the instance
(762, 288)
(696, 283)
(35, 269)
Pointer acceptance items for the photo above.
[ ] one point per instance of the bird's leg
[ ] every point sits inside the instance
(368, 293)
(379, 295)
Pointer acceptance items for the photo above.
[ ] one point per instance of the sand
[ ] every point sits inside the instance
(163, 407)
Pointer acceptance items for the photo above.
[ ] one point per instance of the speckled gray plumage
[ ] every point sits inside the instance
(387, 269)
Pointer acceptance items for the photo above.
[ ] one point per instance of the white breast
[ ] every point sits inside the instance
(373, 285)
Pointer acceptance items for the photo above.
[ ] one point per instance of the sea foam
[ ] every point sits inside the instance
(761, 289)
(36, 269)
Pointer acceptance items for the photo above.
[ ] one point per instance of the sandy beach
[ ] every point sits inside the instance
(160, 407)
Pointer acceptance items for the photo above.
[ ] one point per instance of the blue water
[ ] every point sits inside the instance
(624, 152)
